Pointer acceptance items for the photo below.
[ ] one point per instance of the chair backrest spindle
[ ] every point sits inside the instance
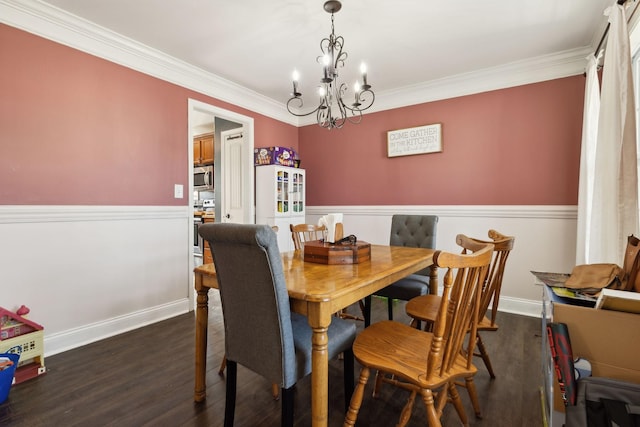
(301, 233)
(459, 310)
(493, 283)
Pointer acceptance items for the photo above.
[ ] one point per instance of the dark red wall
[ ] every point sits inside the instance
(517, 146)
(79, 130)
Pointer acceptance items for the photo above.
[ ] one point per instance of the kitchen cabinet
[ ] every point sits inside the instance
(280, 200)
(203, 149)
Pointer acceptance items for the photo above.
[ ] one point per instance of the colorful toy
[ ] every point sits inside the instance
(19, 335)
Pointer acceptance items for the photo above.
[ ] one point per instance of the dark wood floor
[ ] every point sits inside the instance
(145, 378)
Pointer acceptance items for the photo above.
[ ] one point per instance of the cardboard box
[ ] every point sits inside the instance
(275, 156)
(606, 338)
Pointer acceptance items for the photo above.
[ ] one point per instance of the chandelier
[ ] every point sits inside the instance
(333, 111)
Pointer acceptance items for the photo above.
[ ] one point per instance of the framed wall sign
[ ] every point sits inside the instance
(418, 140)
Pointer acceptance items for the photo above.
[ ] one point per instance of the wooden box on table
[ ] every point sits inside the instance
(329, 253)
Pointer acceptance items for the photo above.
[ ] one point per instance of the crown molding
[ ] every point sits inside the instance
(59, 26)
(534, 70)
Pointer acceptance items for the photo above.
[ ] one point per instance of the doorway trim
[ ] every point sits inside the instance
(248, 178)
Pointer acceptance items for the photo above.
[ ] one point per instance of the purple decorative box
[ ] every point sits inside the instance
(275, 156)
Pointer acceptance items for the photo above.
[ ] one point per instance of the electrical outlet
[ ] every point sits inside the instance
(177, 191)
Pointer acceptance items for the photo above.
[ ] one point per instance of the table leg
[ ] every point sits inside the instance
(202, 322)
(433, 280)
(319, 369)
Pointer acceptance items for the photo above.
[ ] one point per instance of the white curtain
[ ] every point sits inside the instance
(587, 159)
(615, 186)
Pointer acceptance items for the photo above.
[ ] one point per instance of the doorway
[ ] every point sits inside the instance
(239, 178)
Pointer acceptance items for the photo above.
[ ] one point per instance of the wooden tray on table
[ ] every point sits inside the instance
(330, 253)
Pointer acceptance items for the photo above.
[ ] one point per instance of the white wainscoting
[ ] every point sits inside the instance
(90, 272)
(545, 239)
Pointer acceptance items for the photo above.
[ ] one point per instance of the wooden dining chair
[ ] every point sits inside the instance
(425, 308)
(301, 233)
(261, 332)
(417, 231)
(429, 363)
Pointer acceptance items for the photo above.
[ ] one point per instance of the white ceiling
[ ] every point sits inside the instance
(405, 43)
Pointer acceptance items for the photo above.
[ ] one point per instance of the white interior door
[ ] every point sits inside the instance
(236, 192)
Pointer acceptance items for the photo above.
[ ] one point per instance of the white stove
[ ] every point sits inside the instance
(209, 205)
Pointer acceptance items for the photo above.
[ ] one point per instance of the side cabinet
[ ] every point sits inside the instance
(280, 200)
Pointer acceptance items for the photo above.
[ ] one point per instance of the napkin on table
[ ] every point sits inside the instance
(330, 221)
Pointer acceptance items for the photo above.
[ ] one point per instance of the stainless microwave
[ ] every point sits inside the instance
(203, 178)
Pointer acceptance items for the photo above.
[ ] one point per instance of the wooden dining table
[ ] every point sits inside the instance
(318, 291)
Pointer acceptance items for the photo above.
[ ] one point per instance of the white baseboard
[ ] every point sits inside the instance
(69, 339)
(524, 307)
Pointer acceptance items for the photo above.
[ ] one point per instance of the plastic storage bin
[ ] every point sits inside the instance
(6, 375)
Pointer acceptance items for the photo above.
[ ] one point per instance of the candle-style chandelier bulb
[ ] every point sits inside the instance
(332, 111)
(296, 77)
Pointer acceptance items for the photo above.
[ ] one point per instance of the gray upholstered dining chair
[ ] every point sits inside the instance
(261, 333)
(418, 231)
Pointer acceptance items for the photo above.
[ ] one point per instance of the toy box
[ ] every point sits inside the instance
(275, 156)
(19, 335)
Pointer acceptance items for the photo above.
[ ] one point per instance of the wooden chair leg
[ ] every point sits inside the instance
(347, 369)
(343, 314)
(441, 399)
(356, 400)
(405, 415)
(223, 365)
(390, 308)
(361, 304)
(230, 403)
(473, 395)
(457, 403)
(287, 407)
(485, 356)
(377, 383)
(433, 417)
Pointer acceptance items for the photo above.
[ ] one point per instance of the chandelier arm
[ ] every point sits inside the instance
(356, 114)
(341, 105)
(321, 118)
(355, 118)
(340, 56)
(319, 107)
(364, 101)
(325, 43)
